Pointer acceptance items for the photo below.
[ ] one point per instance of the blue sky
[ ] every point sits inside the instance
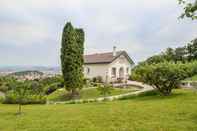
(30, 30)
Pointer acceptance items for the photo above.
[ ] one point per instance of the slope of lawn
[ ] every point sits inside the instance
(177, 112)
(60, 95)
(194, 78)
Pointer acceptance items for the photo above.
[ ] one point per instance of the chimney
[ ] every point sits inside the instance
(114, 50)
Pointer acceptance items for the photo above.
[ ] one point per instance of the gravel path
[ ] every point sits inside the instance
(111, 98)
(144, 89)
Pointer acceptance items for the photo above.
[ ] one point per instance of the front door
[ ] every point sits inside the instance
(121, 73)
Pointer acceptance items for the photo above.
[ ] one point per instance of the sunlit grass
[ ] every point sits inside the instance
(177, 112)
(60, 95)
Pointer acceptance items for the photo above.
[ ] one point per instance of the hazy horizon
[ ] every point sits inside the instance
(31, 31)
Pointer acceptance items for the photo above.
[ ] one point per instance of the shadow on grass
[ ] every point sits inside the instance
(194, 118)
(152, 95)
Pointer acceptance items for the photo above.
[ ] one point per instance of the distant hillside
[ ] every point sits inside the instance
(12, 69)
(23, 73)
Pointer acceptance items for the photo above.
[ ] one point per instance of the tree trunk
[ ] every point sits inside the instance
(19, 109)
(74, 94)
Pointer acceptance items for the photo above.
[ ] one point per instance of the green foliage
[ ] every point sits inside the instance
(181, 54)
(190, 9)
(4, 88)
(51, 84)
(192, 50)
(97, 79)
(193, 78)
(164, 76)
(1, 99)
(13, 98)
(72, 57)
(6, 83)
(155, 59)
(51, 88)
(52, 80)
(27, 92)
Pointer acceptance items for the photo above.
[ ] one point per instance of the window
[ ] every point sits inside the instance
(113, 72)
(88, 70)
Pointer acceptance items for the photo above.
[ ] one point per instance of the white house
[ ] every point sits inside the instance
(111, 66)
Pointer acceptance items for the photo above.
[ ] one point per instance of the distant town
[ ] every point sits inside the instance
(29, 72)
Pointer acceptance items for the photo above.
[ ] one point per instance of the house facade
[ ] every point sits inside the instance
(111, 66)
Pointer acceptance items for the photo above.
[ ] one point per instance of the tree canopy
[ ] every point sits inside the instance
(190, 9)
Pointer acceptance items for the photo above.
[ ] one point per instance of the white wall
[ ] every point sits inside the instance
(96, 70)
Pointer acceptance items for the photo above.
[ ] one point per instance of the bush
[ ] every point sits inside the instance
(12, 98)
(51, 80)
(97, 79)
(164, 76)
(119, 80)
(51, 88)
(105, 89)
(4, 88)
(1, 99)
(87, 82)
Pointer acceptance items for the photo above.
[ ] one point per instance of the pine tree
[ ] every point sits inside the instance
(72, 58)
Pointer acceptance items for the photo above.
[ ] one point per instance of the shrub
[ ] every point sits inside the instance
(86, 82)
(51, 80)
(51, 88)
(120, 80)
(95, 84)
(97, 79)
(27, 92)
(12, 98)
(105, 89)
(1, 99)
(163, 76)
(4, 88)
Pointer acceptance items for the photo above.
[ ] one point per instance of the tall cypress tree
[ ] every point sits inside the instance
(80, 42)
(72, 58)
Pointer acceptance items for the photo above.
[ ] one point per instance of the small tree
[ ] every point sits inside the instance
(104, 89)
(20, 89)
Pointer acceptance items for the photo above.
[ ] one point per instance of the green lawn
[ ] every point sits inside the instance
(60, 95)
(146, 113)
(194, 78)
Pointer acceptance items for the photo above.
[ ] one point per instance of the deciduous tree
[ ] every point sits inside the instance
(190, 9)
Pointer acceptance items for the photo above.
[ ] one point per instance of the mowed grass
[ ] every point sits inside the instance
(177, 112)
(60, 95)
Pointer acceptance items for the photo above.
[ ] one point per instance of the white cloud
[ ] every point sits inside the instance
(142, 27)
